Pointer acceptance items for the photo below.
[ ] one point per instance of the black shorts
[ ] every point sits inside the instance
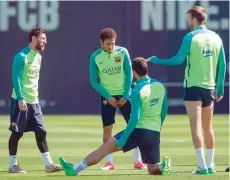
(207, 96)
(20, 121)
(108, 111)
(148, 142)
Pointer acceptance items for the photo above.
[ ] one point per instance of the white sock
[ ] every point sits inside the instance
(13, 161)
(47, 159)
(201, 159)
(210, 157)
(109, 158)
(79, 167)
(137, 155)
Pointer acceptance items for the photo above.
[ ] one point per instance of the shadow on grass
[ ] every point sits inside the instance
(114, 174)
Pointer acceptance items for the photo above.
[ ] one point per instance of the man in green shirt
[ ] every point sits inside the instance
(26, 114)
(149, 109)
(203, 83)
(111, 65)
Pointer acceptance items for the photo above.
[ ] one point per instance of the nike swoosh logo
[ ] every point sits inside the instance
(101, 62)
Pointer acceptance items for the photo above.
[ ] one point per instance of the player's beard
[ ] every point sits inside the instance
(40, 46)
(107, 50)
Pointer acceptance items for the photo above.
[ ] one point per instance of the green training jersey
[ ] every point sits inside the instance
(206, 65)
(149, 106)
(111, 73)
(25, 75)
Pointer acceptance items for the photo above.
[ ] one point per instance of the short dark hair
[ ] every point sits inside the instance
(36, 32)
(108, 33)
(199, 13)
(140, 66)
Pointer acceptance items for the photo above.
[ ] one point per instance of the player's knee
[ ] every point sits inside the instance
(207, 129)
(40, 135)
(107, 133)
(154, 170)
(16, 135)
(197, 132)
(108, 129)
(105, 139)
(44, 133)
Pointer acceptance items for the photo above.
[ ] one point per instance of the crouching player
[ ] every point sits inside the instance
(149, 108)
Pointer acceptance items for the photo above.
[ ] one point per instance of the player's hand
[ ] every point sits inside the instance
(219, 98)
(112, 101)
(147, 60)
(121, 102)
(119, 148)
(22, 105)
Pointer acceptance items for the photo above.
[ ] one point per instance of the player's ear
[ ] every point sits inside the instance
(101, 42)
(135, 74)
(33, 38)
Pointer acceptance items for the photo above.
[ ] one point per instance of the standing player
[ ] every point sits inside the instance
(111, 64)
(205, 71)
(149, 108)
(26, 112)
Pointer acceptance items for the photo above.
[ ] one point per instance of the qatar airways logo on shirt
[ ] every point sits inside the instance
(112, 70)
(207, 53)
(34, 71)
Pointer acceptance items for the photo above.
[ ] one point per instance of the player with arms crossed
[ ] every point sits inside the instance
(111, 64)
(26, 114)
(149, 109)
(205, 72)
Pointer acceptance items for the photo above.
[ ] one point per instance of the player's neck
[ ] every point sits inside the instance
(141, 77)
(31, 46)
(199, 25)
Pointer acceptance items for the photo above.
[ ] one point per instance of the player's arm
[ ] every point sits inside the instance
(93, 73)
(164, 109)
(179, 58)
(221, 70)
(129, 75)
(18, 64)
(135, 114)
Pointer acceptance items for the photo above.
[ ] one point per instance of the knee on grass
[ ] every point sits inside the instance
(153, 169)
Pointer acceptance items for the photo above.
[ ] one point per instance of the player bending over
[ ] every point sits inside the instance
(112, 66)
(149, 108)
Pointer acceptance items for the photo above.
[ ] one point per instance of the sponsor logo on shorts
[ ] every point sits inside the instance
(105, 102)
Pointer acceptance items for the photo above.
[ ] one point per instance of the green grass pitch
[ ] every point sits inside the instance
(73, 137)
